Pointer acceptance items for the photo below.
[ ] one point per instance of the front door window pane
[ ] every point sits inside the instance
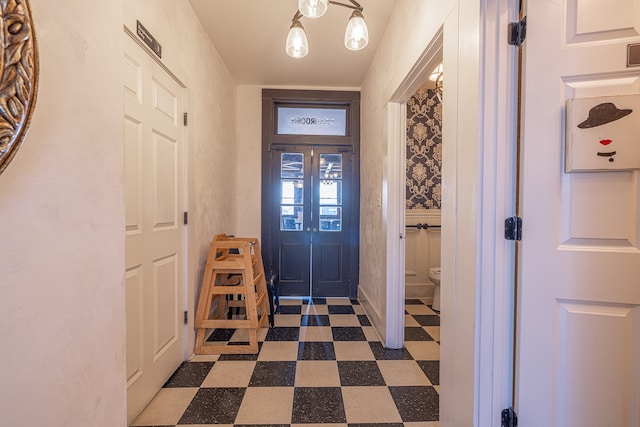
(292, 165)
(330, 192)
(292, 192)
(330, 166)
(330, 218)
(291, 218)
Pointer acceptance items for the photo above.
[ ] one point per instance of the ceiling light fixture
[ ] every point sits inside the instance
(356, 36)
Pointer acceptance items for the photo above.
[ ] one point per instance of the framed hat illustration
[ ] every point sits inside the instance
(603, 133)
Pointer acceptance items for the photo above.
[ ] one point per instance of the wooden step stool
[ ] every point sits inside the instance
(231, 258)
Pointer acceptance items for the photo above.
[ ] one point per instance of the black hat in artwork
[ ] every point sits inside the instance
(602, 114)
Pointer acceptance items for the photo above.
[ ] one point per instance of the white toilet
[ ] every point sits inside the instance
(434, 276)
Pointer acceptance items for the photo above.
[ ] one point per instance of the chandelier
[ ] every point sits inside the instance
(356, 35)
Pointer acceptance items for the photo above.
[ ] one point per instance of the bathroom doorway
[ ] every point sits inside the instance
(423, 157)
(397, 187)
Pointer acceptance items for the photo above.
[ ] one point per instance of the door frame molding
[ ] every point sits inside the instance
(477, 340)
(395, 191)
(351, 99)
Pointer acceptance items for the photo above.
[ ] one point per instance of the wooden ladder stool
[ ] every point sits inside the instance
(230, 258)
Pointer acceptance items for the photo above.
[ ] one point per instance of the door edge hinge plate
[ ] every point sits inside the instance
(517, 32)
(509, 418)
(185, 117)
(185, 218)
(186, 317)
(513, 228)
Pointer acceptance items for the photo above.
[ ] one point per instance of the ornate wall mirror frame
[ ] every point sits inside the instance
(18, 74)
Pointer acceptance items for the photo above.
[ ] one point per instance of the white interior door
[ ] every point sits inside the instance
(154, 233)
(579, 299)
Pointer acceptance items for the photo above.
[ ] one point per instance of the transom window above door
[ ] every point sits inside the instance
(312, 121)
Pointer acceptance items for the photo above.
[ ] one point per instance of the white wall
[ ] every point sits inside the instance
(211, 103)
(62, 207)
(249, 134)
(411, 28)
(62, 334)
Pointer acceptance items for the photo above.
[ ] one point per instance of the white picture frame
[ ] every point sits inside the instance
(602, 134)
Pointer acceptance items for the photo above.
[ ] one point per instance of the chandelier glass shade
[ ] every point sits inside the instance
(356, 36)
(297, 44)
(313, 8)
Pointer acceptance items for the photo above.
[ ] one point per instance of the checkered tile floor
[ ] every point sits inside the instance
(322, 364)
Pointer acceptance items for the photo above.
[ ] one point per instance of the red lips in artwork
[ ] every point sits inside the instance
(605, 141)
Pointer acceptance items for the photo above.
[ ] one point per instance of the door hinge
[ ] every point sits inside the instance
(517, 32)
(509, 418)
(185, 218)
(184, 118)
(513, 228)
(186, 317)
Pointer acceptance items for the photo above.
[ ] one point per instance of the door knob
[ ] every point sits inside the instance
(308, 228)
(315, 229)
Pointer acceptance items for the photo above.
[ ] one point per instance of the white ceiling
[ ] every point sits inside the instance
(250, 36)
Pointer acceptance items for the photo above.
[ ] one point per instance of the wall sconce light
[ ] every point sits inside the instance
(436, 76)
(356, 36)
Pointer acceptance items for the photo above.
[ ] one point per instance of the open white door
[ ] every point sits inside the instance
(579, 268)
(154, 233)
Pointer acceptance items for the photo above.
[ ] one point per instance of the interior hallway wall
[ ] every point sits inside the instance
(62, 334)
(249, 185)
(411, 29)
(62, 205)
(212, 145)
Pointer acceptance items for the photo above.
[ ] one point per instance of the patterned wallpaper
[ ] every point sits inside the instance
(424, 150)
